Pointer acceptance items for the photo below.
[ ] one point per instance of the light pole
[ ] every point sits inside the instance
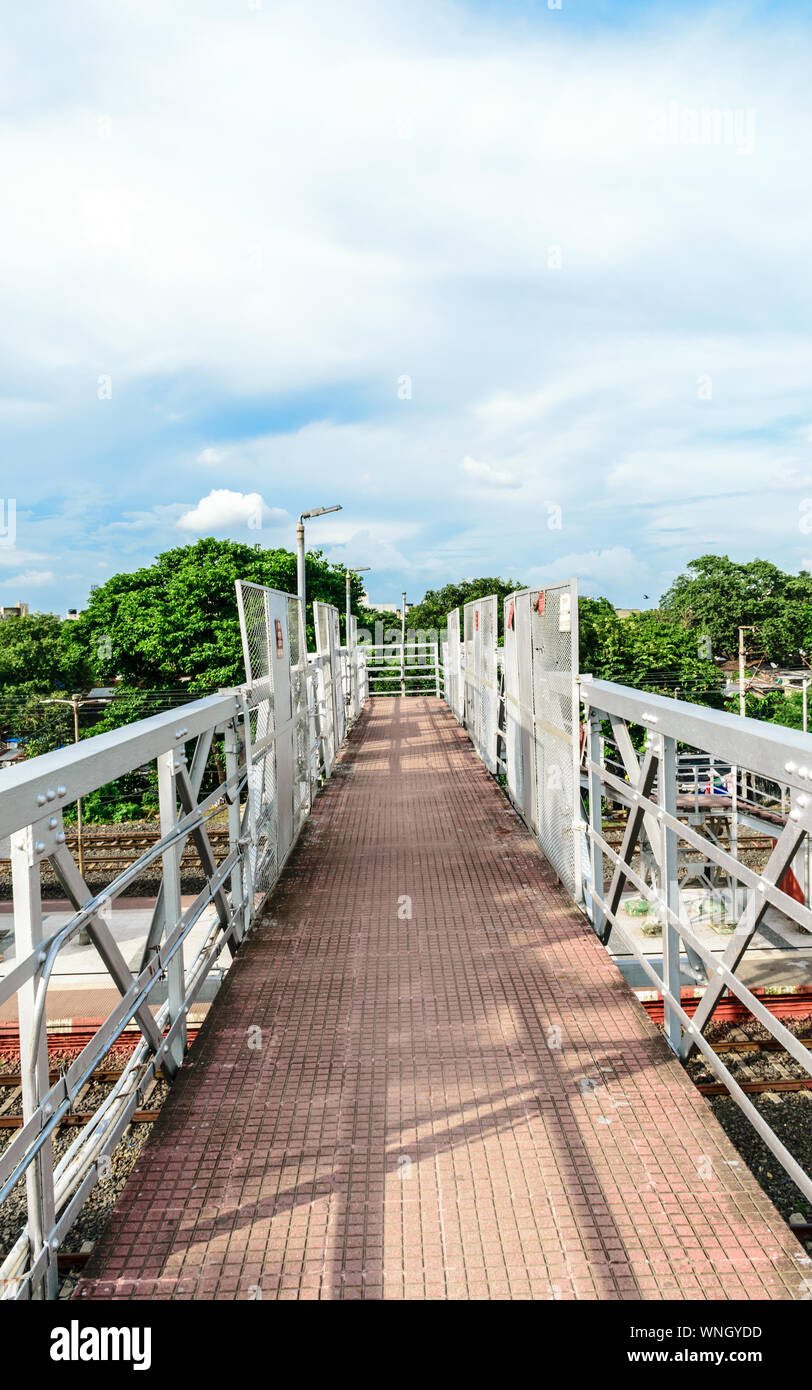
(742, 702)
(300, 548)
(75, 703)
(351, 570)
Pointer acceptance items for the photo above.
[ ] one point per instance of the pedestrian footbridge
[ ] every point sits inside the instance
(423, 1075)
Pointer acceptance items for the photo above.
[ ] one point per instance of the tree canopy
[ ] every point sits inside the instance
(433, 610)
(646, 650)
(715, 596)
(176, 620)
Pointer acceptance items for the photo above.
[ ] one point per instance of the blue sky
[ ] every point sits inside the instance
(526, 290)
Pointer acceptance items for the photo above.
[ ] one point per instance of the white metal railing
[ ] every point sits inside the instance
(278, 735)
(668, 768)
(398, 668)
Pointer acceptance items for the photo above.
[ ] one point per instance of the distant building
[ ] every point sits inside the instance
(15, 610)
(627, 612)
(382, 607)
(71, 615)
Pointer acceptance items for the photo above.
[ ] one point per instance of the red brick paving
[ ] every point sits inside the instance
(410, 1127)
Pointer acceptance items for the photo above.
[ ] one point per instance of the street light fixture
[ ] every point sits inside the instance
(300, 547)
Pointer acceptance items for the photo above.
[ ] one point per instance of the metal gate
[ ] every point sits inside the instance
(330, 698)
(481, 692)
(520, 762)
(277, 732)
(542, 721)
(452, 666)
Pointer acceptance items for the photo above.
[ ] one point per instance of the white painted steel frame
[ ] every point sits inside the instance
(395, 667)
(261, 721)
(649, 793)
(649, 789)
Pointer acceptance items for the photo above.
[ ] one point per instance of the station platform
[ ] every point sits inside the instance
(424, 1078)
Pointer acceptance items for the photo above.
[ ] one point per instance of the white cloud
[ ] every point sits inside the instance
(10, 556)
(223, 510)
(486, 473)
(29, 579)
(616, 569)
(367, 227)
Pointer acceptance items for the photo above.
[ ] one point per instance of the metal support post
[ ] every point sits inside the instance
(168, 803)
(232, 755)
(39, 1177)
(669, 890)
(595, 754)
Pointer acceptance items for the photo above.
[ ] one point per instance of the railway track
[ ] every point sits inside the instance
(118, 849)
(798, 1004)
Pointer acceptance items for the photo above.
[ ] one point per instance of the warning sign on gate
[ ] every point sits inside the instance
(280, 639)
(540, 602)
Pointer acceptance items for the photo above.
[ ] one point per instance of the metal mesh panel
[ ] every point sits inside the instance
(339, 667)
(541, 718)
(453, 662)
(517, 666)
(554, 660)
(278, 776)
(254, 629)
(331, 723)
(302, 788)
(481, 694)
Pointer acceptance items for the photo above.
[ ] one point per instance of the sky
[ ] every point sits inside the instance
(525, 289)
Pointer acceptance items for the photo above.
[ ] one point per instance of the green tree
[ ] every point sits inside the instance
(36, 651)
(433, 610)
(175, 622)
(38, 658)
(647, 651)
(716, 596)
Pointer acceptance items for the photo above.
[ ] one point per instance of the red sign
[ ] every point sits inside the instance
(280, 639)
(510, 615)
(476, 619)
(540, 602)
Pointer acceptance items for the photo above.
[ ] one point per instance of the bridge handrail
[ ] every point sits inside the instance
(252, 723)
(539, 686)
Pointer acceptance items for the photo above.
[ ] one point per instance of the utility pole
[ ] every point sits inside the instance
(75, 703)
(742, 703)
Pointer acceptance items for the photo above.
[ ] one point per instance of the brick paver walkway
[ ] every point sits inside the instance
(455, 1096)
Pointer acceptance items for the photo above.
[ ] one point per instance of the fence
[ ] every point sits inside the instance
(666, 766)
(480, 692)
(398, 668)
(277, 736)
(453, 667)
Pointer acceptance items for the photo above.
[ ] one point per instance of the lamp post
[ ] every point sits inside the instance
(351, 570)
(75, 703)
(742, 704)
(300, 548)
